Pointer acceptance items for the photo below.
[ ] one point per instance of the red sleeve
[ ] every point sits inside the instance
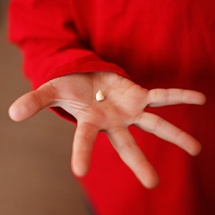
(45, 32)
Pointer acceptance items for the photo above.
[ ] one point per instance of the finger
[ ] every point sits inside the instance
(133, 157)
(165, 130)
(161, 97)
(84, 139)
(32, 102)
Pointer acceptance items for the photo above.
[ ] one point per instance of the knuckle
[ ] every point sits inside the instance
(158, 123)
(37, 98)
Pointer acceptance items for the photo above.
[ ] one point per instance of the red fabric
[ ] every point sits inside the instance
(159, 43)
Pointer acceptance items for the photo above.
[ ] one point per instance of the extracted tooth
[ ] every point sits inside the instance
(99, 96)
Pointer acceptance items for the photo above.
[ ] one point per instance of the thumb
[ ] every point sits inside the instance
(32, 102)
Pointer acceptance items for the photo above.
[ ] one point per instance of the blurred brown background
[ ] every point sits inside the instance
(35, 176)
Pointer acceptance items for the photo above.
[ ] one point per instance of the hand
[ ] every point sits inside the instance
(123, 105)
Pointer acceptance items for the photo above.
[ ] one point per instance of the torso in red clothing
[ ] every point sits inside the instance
(159, 43)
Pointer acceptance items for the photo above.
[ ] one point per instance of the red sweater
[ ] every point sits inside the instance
(158, 43)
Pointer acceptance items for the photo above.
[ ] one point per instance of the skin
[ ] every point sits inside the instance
(123, 106)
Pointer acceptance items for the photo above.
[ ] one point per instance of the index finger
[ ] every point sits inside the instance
(32, 102)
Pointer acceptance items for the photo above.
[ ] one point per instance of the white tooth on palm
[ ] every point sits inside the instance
(99, 96)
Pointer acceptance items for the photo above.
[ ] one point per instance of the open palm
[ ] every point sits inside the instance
(123, 105)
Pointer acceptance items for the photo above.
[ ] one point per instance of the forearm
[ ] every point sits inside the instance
(45, 32)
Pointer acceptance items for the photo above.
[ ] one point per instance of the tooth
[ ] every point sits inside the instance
(99, 96)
